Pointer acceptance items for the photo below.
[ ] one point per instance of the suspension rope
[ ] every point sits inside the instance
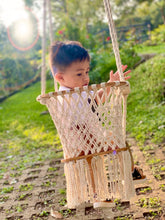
(51, 36)
(115, 45)
(50, 22)
(43, 71)
(114, 38)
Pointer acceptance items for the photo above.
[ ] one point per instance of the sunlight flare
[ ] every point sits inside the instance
(12, 11)
(21, 24)
(23, 30)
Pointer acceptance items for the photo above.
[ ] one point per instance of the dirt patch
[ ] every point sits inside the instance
(30, 194)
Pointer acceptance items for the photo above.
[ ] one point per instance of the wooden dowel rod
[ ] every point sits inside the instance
(98, 86)
(95, 154)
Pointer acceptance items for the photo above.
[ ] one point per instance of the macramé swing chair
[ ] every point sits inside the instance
(99, 131)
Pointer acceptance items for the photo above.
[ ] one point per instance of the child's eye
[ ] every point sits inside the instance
(87, 72)
(79, 74)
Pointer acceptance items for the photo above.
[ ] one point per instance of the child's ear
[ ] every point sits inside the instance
(59, 77)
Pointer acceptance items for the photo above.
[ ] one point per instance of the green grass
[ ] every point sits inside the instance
(145, 118)
(6, 190)
(62, 191)
(153, 202)
(26, 187)
(24, 131)
(142, 49)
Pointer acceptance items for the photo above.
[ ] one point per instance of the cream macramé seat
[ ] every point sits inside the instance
(97, 161)
(97, 133)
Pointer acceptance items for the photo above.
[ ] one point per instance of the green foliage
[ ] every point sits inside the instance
(153, 161)
(104, 60)
(146, 148)
(6, 190)
(48, 184)
(50, 169)
(162, 187)
(129, 55)
(22, 196)
(72, 31)
(4, 199)
(26, 187)
(75, 18)
(67, 213)
(19, 208)
(152, 202)
(62, 202)
(145, 117)
(143, 11)
(101, 64)
(145, 190)
(157, 39)
(62, 191)
(158, 35)
(43, 214)
(14, 72)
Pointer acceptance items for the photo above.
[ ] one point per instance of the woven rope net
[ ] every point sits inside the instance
(89, 129)
(92, 133)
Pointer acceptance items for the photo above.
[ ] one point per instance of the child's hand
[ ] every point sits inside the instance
(115, 76)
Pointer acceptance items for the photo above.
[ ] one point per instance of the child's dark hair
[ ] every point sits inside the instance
(63, 54)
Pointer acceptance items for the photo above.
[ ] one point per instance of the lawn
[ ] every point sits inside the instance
(146, 103)
(24, 130)
(142, 49)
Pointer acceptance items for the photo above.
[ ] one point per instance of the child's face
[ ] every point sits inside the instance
(76, 75)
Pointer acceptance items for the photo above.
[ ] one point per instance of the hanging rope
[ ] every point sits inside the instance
(115, 45)
(50, 23)
(114, 38)
(43, 71)
(51, 36)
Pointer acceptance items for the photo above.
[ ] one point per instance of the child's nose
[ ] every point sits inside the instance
(86, 77)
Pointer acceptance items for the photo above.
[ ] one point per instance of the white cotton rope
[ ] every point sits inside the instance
(43, 71)
(113, 34)
(114, 38)
(50, 23)
(51, 36)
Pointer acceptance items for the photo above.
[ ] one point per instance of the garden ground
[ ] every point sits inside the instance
(30, 194)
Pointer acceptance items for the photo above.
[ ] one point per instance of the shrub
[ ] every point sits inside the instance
(14, 72)
(157, 36)
(104, 61)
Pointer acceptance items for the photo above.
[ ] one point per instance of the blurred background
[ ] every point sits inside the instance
(139, 24)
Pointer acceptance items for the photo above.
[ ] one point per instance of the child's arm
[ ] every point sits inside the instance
(113, 77)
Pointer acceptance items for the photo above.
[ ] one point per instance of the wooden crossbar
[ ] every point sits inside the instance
(84, 88)
(95, 154)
